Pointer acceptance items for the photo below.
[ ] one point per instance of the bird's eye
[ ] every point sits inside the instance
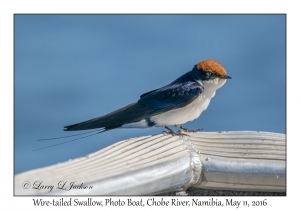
(208, 74)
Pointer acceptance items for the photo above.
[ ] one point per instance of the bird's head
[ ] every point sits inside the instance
(211, 74)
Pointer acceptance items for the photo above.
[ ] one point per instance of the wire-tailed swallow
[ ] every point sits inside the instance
(177, 103)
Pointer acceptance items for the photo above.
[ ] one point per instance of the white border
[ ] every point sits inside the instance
(9, 8)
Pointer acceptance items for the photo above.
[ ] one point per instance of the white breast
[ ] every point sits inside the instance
(183, 115)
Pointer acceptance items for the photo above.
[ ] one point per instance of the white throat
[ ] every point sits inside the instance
(212, 85)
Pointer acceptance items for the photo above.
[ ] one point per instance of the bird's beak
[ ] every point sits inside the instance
(225, 77)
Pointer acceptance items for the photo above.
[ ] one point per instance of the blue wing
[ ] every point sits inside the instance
(173, 96)
(178, 94)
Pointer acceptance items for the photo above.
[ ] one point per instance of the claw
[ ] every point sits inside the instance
(188, 130)
(173, 133)
(199, 129)
(179, 133)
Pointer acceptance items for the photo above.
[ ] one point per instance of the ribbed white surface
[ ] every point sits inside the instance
(120, 158)
(241, 144)
(155, 164)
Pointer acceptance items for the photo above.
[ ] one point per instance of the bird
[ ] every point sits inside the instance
(181, 101)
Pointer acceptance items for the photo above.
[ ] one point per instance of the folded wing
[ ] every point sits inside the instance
(172, 96)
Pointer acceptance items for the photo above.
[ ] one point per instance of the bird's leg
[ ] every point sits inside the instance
(173, 133)
(187, 130)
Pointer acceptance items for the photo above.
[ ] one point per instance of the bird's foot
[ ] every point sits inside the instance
(188, 130)
(179, 133)
(173, 133)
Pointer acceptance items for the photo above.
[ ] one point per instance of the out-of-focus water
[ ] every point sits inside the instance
(71, 68)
